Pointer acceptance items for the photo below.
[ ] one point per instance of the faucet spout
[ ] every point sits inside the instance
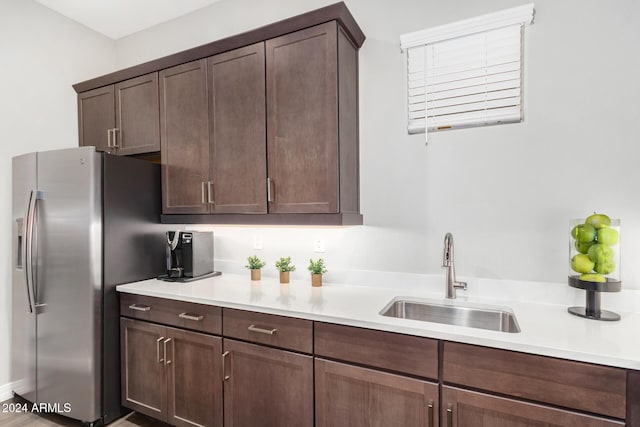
(450, 274)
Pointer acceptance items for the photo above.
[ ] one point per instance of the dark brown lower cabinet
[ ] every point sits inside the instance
(187, 378)
(171, 374)
(144, 377)
(266, 386)
(462, 408)
(348, 395)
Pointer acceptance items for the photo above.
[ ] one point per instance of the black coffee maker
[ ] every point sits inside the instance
(189, 254)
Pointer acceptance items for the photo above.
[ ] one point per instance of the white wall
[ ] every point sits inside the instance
(41, 55)
(506, 192)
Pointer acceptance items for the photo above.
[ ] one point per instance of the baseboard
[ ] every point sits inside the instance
(6, 391)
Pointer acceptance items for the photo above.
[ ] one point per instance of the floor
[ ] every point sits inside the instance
(13, 419)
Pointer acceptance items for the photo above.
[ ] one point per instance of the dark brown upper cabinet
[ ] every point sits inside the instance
(213, 134)
(96, 118)
(137, 116)
(121, 119)
(237, 131)
(312, 121)
(185, 138)
(257, 128)
(302, 121)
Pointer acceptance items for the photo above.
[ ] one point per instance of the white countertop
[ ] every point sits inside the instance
(546, 329)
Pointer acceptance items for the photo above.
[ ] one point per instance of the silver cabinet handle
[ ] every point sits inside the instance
(191, 316)
(269, 199)
(167, 361)
(115, 138)
(158, 358)
(254, 328)
(109, 138)
(209, 193)
(449, 416)
(139, 307)
(225, 377)
(430, 414)
(204, 200)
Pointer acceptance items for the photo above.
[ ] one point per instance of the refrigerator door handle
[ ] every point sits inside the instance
(33, 220)
(26, 248)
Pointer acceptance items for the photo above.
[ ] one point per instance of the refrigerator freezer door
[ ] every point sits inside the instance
(23, 336)
(69, 281)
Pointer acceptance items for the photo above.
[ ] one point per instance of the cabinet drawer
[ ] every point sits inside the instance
(188, 315)
(592, 388)
(278, 331)
(387, 350)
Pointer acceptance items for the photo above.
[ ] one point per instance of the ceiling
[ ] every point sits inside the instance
(119, 18)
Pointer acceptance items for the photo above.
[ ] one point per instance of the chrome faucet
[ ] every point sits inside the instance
(450, 274)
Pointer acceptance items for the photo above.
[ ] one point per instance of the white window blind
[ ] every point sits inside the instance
(468, 73)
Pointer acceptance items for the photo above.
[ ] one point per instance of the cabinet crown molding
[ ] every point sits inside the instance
(335, 12)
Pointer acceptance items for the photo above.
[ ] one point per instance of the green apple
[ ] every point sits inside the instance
(600, 253)
(584, 233)
(582, 264)
(598, 220)
(607, 236)
(581, 247)
(605, 267)
(593, 278)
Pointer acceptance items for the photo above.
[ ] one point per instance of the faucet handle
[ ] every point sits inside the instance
(460, 285)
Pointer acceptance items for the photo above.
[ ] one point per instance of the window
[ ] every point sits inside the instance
(467, 73)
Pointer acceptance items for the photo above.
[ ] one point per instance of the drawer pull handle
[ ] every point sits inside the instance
(158, 341)
(254, 328)
(191, 316)
(225, 377)
(430, 414)
(139, 307)
(449, 416)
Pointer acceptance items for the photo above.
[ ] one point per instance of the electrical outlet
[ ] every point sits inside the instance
(318, 245)
(257, 243)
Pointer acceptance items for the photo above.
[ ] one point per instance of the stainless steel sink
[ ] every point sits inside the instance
(461, 314)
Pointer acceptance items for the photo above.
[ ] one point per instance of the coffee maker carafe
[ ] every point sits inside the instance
(189, 254)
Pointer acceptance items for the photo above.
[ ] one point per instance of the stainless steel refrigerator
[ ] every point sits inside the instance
(83, 222)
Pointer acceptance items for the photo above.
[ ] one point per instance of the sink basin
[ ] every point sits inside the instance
(461, 314)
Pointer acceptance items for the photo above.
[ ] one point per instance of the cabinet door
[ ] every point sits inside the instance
(461, 408)
(96, 117)
(267, 387)
(137, 115)
(144, 386)
(238, 131)
(354, 396)
(302, 120)
(570, 384)
(193, 362)
(185, 138)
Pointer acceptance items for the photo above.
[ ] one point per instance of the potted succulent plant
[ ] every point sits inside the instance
(317, 269)
(284, 266)
(255, 264)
